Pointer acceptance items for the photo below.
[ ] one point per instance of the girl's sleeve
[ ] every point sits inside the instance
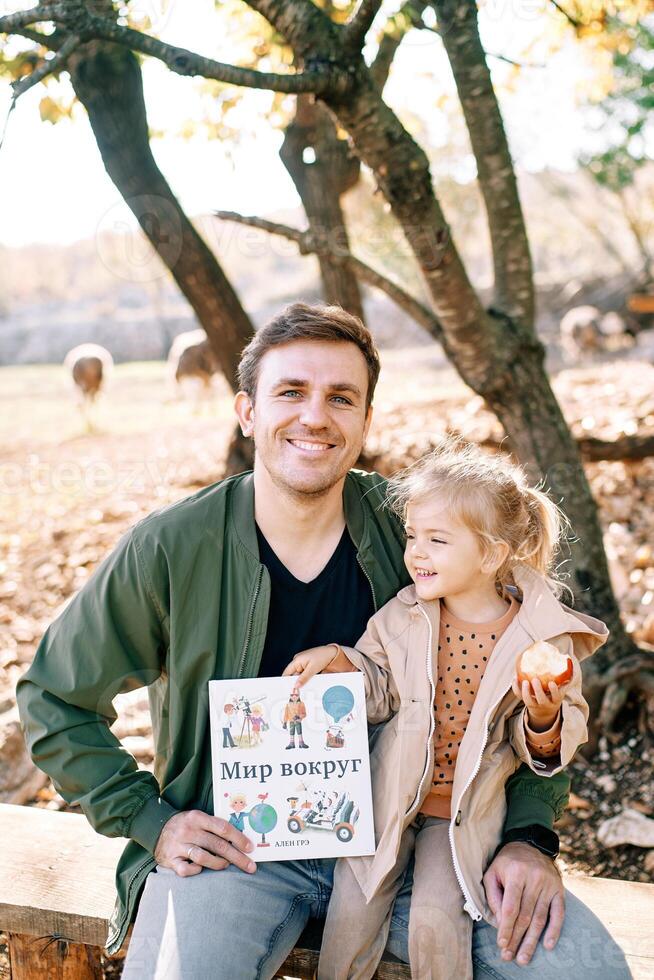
(547, 753)
(370, 657)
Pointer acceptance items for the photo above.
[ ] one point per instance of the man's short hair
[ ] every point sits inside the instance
(300, 321)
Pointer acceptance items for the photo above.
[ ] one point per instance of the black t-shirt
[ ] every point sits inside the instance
(334, 607)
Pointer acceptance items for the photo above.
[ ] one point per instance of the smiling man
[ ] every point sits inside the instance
(232, 582)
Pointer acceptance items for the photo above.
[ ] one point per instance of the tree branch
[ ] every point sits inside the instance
(308, 245)
(184, 62)
(514, 291)
(393, 33)
(49, 67)
(50, 41)
(512, 61)
(319, 79)
(625, 447)
(12, 23)
(308, 30)
(354, 32)
(572, 20)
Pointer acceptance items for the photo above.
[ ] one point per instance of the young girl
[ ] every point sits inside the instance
(440, 660)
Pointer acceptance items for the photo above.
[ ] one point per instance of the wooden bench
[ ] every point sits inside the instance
(57, 879)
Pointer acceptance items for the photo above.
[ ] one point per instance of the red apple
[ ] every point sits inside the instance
(544, 661)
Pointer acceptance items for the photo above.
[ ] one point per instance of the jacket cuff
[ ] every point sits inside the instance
(543, 744)
(544, 765)
(147, 824)
(527, 810)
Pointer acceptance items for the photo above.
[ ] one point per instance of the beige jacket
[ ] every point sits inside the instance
(398, 656)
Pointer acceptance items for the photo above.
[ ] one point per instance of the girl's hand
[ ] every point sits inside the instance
(542, 706)
(310, 662)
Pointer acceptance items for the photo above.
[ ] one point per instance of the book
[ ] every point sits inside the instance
(291, 767)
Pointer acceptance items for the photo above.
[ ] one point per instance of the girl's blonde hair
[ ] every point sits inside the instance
(491, 496)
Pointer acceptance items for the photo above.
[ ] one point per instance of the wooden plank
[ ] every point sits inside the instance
(641, 967)
(57, 877)
(31, 957)
(303, 963)
(626, 908)
(56, 874)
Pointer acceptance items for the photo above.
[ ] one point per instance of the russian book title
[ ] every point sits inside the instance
(291, 767)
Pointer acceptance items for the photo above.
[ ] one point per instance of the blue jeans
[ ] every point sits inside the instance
(228, 925)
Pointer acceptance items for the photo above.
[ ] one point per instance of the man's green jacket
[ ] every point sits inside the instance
(182, 600)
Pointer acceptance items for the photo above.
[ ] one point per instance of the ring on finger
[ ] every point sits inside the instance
(188, 853)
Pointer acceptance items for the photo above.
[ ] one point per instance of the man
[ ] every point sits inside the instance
(232, 582)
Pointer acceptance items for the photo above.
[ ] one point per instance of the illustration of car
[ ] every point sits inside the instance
(326, 811)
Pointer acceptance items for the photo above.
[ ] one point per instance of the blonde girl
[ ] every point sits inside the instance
(439, 660)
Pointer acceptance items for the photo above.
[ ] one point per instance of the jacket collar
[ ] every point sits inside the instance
(243, 511)
(541, 614)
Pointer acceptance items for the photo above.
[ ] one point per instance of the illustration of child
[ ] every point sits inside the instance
(258, 723)
(294, 714)
(237, 804)
(227, 718)
(440, 660)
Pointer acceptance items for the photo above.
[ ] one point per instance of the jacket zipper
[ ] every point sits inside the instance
(241, 666)
(470, 906)
(248, 632)
(372, 587)
(432, 723)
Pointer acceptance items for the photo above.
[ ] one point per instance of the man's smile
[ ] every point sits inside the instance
(311, 447)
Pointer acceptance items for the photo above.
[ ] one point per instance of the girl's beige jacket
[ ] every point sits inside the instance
(398, 655)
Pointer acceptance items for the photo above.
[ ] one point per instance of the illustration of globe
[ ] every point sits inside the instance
(263, 819)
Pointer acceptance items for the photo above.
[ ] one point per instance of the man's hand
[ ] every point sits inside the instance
(522, 887)
(193, 840)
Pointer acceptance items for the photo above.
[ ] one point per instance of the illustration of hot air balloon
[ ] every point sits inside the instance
(338, 702)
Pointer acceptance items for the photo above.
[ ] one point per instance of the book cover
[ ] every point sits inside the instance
(291, 767)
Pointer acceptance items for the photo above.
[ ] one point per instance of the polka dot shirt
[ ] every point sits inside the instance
(464, 650)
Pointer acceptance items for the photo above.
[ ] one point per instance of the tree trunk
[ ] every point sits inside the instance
(498, 356)
(322, 168)
(107, 80)
(514, 279)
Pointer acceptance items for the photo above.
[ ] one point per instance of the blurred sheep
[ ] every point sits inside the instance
(89, 366)
(585, 330)
(192, 365)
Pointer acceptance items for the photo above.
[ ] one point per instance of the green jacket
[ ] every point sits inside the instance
(183, 599)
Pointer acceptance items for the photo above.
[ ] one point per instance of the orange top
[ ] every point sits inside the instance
(464, 650)
(294, 711)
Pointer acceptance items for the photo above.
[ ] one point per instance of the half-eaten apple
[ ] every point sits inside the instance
(544, 661)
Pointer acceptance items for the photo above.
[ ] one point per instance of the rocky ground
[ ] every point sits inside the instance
(67, 496)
